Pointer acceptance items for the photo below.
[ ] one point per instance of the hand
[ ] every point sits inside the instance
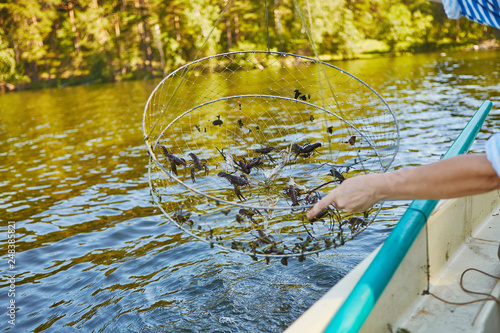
(449, 178)
(353, 195)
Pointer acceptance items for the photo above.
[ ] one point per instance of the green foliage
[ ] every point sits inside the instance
(7, 60)
(97, 40)
(413, 32)
(400, 31)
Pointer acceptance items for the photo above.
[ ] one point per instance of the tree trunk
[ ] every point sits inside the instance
(159, 46)
(104, 41)
(17, 54)
(236, 28)
(144, 33)
(177, 26)
(117, 25)
(277, 23)
(118, 45)
(34, 68)
(73, 27)
(228, 34)
(47, 68)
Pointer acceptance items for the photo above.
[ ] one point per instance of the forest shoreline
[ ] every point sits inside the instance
(75, 80)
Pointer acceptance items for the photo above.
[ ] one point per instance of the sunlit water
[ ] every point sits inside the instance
(94, 254)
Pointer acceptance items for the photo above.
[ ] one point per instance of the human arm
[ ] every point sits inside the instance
(449, 178)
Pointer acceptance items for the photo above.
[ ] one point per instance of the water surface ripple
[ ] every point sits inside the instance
(94, 254)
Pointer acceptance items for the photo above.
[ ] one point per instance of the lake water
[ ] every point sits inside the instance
(93, 253)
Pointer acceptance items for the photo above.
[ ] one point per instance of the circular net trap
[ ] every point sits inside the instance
(241, 151)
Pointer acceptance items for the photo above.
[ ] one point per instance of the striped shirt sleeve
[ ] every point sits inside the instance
(481, 11)
(493, 152)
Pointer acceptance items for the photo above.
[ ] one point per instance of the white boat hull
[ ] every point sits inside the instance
(460, 234)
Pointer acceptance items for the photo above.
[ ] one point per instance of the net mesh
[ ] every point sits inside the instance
(243, 143)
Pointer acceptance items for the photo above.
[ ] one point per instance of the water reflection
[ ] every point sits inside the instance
(93, 253)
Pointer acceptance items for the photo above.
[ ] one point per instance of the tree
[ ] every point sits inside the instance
(97, 40)
(7, 61)
(28, 23)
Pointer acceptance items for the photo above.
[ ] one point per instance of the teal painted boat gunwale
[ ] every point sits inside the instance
(358, 305)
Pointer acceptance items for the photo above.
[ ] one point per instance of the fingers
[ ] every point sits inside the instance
(322, 204)
(353, 195)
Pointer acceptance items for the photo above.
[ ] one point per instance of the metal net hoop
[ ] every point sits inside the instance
(224, 109)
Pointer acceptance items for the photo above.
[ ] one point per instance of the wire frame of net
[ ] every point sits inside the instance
(243, 143)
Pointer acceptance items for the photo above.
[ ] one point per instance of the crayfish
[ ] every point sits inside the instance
(218, 121)
(180, 216)
(337, 175)
(198, 165)
(266, 152)
(305, 151)
(174, 160)
(247, 167)
(236, 182)
(293, 193)
(249, 213)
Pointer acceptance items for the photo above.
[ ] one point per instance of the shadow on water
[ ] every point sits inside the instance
(94, 254)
